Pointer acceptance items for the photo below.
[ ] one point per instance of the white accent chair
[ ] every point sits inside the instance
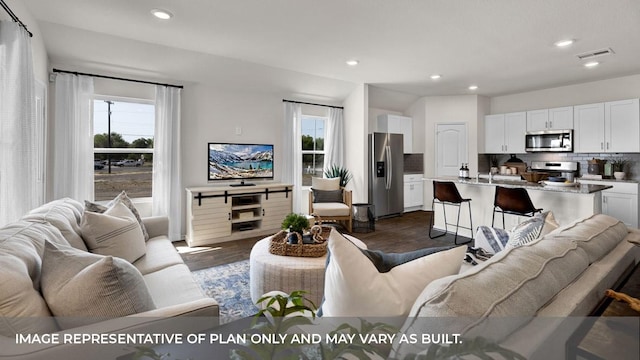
(320, 202)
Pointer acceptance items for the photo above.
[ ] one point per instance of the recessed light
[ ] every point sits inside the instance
(353, 62)
(591, 64)
(435, 76)
(161, 14)
(473, 87)
(564, 43)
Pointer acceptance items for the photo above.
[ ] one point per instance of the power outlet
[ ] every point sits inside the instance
(238, 130)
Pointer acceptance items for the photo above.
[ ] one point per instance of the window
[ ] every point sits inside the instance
(313, 135)
(124, 160)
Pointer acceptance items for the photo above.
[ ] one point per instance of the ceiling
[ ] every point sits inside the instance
(300, 46)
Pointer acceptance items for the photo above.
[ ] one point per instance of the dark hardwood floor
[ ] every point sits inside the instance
(398, 234)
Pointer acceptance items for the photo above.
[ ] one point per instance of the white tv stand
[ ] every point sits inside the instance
(224, 213)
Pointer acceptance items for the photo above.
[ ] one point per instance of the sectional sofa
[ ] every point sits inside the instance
(176, 302)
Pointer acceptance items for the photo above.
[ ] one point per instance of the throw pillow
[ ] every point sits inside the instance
(327, 196)
(532, 229)
(490, 239)
(122, 197)
(355, 287)
(81, 288)
(115, 233)
(325, 184)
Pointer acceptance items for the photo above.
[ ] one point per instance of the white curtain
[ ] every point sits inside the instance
(73, 138)
(292, 152)
(19, 152)
(334, 144)
(167, 180)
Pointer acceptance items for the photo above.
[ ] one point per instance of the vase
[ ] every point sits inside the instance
(619, 175)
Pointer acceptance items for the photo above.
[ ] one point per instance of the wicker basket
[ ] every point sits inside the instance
(280, 246)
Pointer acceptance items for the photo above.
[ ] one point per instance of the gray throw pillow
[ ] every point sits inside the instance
(327, 196)
(82, 288)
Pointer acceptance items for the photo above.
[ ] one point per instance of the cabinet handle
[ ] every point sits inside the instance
(262, 212)
(505, 148)
(229, 216)
(601, 146)
(546, 124)
(607, 145)
(550, 124)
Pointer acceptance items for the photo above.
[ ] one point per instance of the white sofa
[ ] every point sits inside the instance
(531, 298)
(179, 302)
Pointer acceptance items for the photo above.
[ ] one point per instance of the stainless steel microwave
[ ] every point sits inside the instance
(549, 140)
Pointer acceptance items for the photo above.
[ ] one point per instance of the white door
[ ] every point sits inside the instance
(561, 118)
(515, 128)
(621, 206)
(451, 148)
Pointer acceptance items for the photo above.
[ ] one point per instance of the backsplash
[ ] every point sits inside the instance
(633, 172)
(413, 163)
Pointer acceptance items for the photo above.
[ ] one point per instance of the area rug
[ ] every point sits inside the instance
(229, 285)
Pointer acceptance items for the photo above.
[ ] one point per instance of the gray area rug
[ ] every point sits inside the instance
(229, 285)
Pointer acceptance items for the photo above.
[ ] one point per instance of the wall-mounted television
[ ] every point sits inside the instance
(229, 161)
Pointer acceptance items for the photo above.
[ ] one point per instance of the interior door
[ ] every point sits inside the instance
(451, 148)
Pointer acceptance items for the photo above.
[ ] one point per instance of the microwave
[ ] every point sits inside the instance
(549, 141)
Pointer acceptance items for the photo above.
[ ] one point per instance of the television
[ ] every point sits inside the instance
(228, 161)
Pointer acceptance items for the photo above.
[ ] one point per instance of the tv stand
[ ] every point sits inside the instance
(242, 183)
(227, 213)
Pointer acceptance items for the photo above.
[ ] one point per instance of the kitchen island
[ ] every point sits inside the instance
(568, 203)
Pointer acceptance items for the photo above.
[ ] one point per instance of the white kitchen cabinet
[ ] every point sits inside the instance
(550, 119)
(621, 201)
(561, 118)
(607, 127)
(397, 124)
(504, 133)
(413, 192)
(622, 126)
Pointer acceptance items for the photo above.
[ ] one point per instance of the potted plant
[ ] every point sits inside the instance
(619, 165)
(295, 223)
(338, 171)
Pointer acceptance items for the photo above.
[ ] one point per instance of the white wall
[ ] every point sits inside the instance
(356, 121)
(597, 91)
(417, 112)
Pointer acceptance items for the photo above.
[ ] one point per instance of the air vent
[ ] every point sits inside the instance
(594, 54)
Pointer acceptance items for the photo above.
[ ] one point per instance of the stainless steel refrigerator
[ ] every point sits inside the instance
(386, 170)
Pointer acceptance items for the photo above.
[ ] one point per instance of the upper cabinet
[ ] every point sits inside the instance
(504, 133)
(550, 119)
(397, 124)
(607, 127)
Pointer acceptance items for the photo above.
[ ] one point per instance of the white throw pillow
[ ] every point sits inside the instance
(81, 288)
(124, 198)
(354, 286)
(116, 232)
(532, 229)
(325, 184)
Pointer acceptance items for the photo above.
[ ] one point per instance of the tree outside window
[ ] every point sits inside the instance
(123, 160)
(313, 135)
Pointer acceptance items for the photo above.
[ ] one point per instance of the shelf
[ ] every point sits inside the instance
(238, 221)
(245, 207)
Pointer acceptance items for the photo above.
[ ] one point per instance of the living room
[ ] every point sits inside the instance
(236, 63)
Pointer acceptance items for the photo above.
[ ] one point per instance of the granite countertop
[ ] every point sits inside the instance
(577, 189)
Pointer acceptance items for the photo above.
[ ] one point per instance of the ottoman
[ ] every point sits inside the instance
(268, 272)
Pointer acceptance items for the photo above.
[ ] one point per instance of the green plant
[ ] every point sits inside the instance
(338, 171)
(295, 222)
(619, 164)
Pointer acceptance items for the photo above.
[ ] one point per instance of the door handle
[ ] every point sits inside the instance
(390, 167)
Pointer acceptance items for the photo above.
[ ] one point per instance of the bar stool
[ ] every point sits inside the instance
(514, 201)
(446, 193)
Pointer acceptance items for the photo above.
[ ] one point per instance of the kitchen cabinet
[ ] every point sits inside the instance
(504, 133)
(413, 192)
(607, 127)
(550, 119)
(397, 124)
(621, 201)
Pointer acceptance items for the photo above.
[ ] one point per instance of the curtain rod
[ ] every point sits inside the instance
(307, 103)
(14, 17)
(116, 78)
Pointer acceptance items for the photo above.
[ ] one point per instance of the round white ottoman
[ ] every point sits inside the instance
(268, 272)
